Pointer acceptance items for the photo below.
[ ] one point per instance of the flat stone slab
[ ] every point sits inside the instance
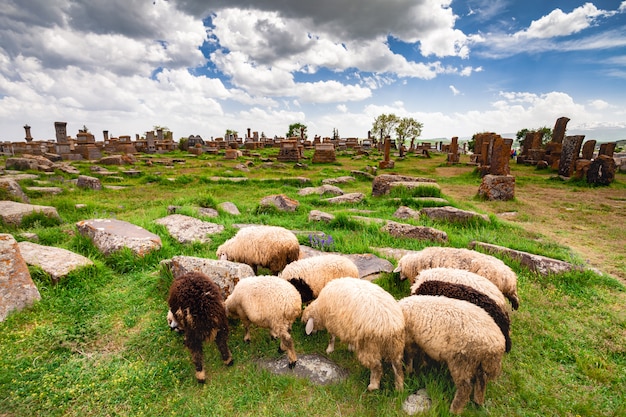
(369, 265)
(346, 198)
(317, 369)
(46, 190)
(188, 229)
(112, 235)
(324, 189)
(12, 212)
(452, 214)
(17, 289)
(57, 262)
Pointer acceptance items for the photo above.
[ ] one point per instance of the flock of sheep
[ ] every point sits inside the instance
(456, 314)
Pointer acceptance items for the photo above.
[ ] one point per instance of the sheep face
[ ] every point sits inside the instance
(171, 321)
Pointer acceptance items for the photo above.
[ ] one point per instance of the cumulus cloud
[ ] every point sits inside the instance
(558, 23)
(454, 90)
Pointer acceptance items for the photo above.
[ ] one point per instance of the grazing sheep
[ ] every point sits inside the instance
(196, 308)
(467, 293)
(461, 276)
(269, 302)
(309, 275)
(488, 266)
(366, 317)
(271, 247)
(458, 333)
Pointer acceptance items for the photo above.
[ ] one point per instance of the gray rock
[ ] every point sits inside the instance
(452, 214)
(187, 229)
(46, 190)
(324, 189)
(12, 212)
(21, 164)
(17, 289)
(370, 266)
(56, 262)
(338, 180)
(346, 198)
(68, 169)
(382, 183)
(208, 212)
(12, 187)
(405, 212)
(415, 232)
(225, 274)
(320, 216)
(112, 235)
(281, 202)
(229, 208)
(85, 181)
(417, 403)
(317, 369)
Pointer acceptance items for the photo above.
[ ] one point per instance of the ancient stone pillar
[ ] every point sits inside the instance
(453, 153)
(569, 154)
(558, 133)
(607, 149)
(160, 135)
(500, 155)
(105, 135)
(28, 137)
(588, 148)
(61, 132)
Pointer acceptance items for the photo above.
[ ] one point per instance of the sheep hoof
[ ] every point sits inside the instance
(200, 377)
(280, 350)
(230, 363)
(292, 365)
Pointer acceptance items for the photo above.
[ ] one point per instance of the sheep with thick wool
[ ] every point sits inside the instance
(310, 275)
(458, 333)
(367, 318)
(271, 247)
(461, 276)
(196, 309)
(482, 264)
(269, 302)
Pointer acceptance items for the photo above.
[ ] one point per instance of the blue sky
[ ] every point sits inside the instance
(199, 67)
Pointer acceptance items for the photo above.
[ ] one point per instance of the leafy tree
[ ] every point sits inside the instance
(230, 132)
(408, 127)
(385, 123)
(545, 138)
(167, 133)
(335, 133)
(295, 129)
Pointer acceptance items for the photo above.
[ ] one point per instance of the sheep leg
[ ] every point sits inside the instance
(221, 340)
(195, 347)
(246, 325)
(286, 344)
(480, 386)
(462, 396)
(331, 344)
(398, 373)
(376, 373)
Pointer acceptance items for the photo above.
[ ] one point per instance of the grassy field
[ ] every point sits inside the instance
(98, 344)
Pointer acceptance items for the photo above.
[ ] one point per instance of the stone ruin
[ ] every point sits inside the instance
(290, 151)
(453, 151)
(387, 163)
(324, 152)
(492, 157)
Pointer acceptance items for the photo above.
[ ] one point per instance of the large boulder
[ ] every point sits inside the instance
(17, 289)
(187, 229)
(13, 189)
(57, 262)
(112, 235)
(12, 212)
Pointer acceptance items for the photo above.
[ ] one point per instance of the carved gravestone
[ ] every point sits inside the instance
(602, 170)
(453, 154)
(569, 154)
(387, 163)
(588, 148)
(607, 149)
(500, 155)
(497, 187)
(558, 133)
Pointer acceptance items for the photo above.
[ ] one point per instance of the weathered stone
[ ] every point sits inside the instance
(186, 229)
(46, 190)
(370, 266)
(17, 289)
(558, 133)
(537, 263)
(404, 212)
(12, 212)
(112, 235)
(581, 167)
(111, 160)
(411, 185)
(225, 274)
(382, 183)
(21, 164)
(346, 198)
(324, 189)
(607, 148)
(316, 368)
(369, 220)
(497, 187)
(601, 170)
(500, 156)
(588, 149)
(569, 154)
(208, 212)
(85, 181)
(338, 180)
(68, 169)
(415, 232)
(281, 202)
(452, 214)
(12, 188)
(365, 175)
(229, 208)
(320, 216)
(56, 262)
(417, 403)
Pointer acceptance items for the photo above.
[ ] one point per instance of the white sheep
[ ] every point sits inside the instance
(271, 247)
(310, 275)
(366, 317)
(458, 333)
(461, 276)
(269, 302)
(482, 264)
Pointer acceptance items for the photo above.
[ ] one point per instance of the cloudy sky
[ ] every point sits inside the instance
(201, 67)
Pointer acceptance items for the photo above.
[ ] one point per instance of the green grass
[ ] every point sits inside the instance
(98, 344)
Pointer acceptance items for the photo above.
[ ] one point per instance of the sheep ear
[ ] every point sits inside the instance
(398, 269)
(309, 326)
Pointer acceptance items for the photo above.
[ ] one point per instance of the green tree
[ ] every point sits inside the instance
(335, 133)
(167, 133)
(295, 129)
(230, 132)
(385, 123)
(407, 128)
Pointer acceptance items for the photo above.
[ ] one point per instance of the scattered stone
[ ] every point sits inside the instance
(537, 263)
(13, 188)
(411, 185)
(417, 403)
(370, 266)
(12, 212)
(68, 169)
(324, 189)
(320, 216)
(281, 202)
(56, 262)
(30, 236)
(21, 164)
(365, 175)
(225, 274)
(17, 289)
(346, 198)
(99, 169)
(316, 368)
(132, 172)
(452, 214)
(497, 187)
(404, 212)
(173, 209)
(601, 170)
(114, 187)
(111, 160)
(369, 220)
(415, 232)
(382, 183)
(46, 190)
(208, 212)
(229, 208)
(85, 181)
(338, 180)
(187, 229)
(112, 235)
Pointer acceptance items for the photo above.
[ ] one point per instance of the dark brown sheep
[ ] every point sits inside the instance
(197, 310)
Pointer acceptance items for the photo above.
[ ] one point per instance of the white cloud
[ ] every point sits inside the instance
(454, 90)
(599, 104)
(558, 23)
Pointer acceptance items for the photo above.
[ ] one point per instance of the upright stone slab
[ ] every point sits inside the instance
(17, 289)
(588, 148)
(607, 149)
(500, 155)
(558, 133)
(112, 235)
(569, 154)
